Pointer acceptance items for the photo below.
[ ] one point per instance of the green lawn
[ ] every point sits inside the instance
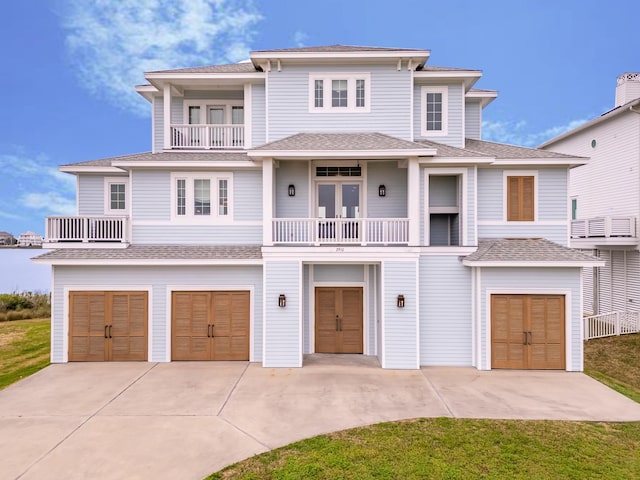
(24, 349)
(447, 448)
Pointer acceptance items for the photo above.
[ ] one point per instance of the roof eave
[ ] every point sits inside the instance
(592, 123)
(127, 164)
(143, 261)
(89, 169)
(469, 77)
(552, 162)
(544, 264)
(360, 154)
(421, 55)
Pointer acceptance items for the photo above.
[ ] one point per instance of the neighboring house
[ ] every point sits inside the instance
(30, 239)
(7, 239)
(320, 200)
(605, 199)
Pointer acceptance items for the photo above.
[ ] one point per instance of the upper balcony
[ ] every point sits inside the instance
(207, 137)
(601, 231)
(86, 232)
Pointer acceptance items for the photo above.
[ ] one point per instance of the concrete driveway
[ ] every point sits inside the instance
(186, 420)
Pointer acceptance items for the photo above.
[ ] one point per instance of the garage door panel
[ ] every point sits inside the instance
(535, 331)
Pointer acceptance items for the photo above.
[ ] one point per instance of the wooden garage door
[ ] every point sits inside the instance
(338, 320)
(528, 331)
(210, 325)
(107, 326)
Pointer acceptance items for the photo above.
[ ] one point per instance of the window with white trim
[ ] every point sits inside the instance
(520, 195)
(434, 111)
(116, 192)
(201, 196)
(340, 92)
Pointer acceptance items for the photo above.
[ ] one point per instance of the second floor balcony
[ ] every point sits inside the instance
(86, 232)
(207, 137)
(606, 230)
(340, 231)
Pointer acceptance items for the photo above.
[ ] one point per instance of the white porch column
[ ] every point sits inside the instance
(167, 115)
(248, 140)
(413, 200)
(267, 201)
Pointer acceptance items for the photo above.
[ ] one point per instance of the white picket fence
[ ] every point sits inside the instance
(611, 324)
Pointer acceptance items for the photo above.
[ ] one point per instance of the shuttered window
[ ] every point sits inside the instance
(520, 199)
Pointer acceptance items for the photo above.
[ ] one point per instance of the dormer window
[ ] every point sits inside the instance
(435, 106)
(339, 92)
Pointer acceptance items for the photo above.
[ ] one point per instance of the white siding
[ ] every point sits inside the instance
(445, 312)
(289, 102)
(306, 305)
(394, 204)
(247, 202)
(400, 325)
(115, 277)
(198, 234)
(473, 120)
(151, 195)
(283, 326)
(259, 119)
(527, 280)
(158, 124)
(618, 282)
(609, 184)
(90, 195)
(371, 291)
(338, 274)
(292, 173)
(455, 136)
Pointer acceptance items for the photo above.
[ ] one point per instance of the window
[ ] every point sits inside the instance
(338, 171)
(343, 92)
(574, 208)
(434, 113)
(520, 198)
(446, 207)
(193, 195)
(115, 195)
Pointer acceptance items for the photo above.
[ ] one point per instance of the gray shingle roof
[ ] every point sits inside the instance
(164, 156)
(526, 250)
(244, 67)
(502, 150)
(158, 252)
(449, 151)
(340, 141)
(340, 48)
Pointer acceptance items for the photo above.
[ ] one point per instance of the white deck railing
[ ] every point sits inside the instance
(86, 229)
(207, 136)
(604, 227)
(610, 324)
(359, 231)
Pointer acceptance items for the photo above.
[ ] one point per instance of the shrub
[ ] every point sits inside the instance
(22, 306)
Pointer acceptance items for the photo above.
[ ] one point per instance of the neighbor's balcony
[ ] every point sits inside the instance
(353, 231)
(207, 137)
(86, 232)
(610, 230)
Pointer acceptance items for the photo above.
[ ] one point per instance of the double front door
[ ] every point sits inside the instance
(338, 320)
(336, 202)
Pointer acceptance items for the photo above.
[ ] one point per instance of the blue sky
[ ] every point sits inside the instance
(68, 68)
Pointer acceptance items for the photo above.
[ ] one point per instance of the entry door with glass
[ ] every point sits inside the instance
(338, 202)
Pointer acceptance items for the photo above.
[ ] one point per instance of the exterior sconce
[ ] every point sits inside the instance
(382, 191)
(282, 301)
(400, 301)
(292, 190)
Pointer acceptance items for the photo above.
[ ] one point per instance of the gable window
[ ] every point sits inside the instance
(520, 198)
(434, 111)
(196, 195)
(339, 92)
(115, 202)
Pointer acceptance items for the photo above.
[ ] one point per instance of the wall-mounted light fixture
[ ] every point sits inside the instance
(292, 190)
(282, 301)
(382, 191)
(400, 301)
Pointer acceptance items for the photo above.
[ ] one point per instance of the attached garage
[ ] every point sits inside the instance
(108, 326)
(210, 325)
(528, 331)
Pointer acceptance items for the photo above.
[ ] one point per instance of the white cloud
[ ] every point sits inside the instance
(49, 203)
(517, 133)
(112, 43)
(300, 39)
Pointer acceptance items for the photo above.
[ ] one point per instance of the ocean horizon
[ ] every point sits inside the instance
(19, 274)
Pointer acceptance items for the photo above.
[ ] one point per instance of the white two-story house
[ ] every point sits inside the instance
(320, 200)
(605, 199)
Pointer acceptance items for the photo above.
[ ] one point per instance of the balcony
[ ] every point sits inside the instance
(331, 231)
(610, 230)
(207, 137)
(86, 232)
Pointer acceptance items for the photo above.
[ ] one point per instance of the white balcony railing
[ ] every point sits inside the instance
(359, 231)
(610, 324)
(86, 229)
(604, 227)
(207, 136)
